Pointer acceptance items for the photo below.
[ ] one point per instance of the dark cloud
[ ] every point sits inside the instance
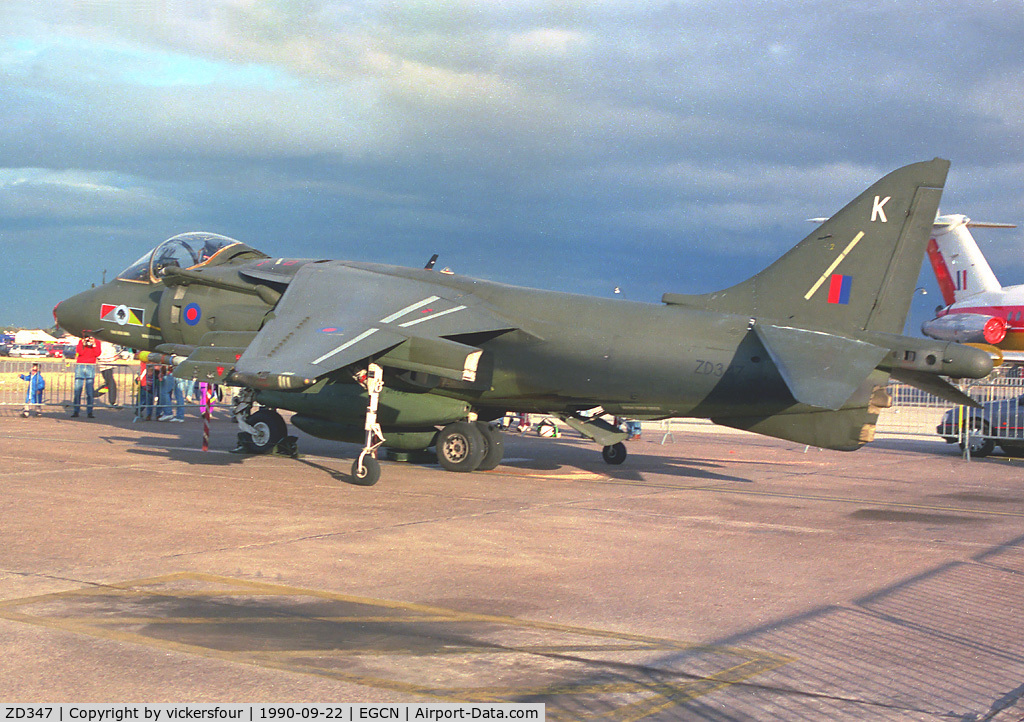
(580, 146)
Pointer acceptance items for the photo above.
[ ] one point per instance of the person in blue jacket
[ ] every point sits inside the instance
(34, 395)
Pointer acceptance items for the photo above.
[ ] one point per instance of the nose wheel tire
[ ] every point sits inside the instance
(368, 474)
(614, 454)
(270, 429)
(461, 447)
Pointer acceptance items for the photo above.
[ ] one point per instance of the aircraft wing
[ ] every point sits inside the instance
(333, 315)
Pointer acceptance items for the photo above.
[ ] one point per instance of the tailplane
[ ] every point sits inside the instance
(857, 271)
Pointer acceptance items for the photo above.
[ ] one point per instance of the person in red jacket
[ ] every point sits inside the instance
(85, 373)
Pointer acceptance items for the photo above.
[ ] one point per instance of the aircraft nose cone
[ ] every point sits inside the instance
(78, 313)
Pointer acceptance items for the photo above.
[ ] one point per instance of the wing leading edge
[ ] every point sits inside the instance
(333, 315)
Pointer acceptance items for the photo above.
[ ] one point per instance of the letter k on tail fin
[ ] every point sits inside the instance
(857, 271)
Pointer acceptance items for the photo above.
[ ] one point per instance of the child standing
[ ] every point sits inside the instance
(144, 407)
(34, 395)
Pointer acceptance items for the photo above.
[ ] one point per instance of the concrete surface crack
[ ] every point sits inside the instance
(53, 577)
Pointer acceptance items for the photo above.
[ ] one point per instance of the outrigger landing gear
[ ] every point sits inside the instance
(614, 454)
(597, 429)
(366, 468)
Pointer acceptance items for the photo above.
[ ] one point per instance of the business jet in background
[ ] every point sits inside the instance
(978, 310)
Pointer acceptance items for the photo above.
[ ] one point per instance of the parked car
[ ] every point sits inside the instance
(27, 350)
(5, 349)
(995, 423)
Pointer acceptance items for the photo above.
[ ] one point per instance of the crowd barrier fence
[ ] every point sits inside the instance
(913, 412)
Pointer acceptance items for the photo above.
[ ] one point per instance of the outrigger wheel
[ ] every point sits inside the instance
(614, 454)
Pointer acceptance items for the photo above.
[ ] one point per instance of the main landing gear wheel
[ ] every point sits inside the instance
(614, 454)
(495, 447)
(270, 429)
(461, 447)
(368, 474)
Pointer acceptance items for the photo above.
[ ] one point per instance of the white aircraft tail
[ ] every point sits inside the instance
(959, 265)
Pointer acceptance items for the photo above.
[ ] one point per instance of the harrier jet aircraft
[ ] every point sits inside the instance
(412, 358)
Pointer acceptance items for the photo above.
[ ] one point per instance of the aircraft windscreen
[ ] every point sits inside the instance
(186, 250)
(138, 271)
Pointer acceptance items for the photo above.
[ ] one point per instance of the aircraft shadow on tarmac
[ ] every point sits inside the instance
(558, 454)
(545, 455)
(422, 650)
(156, 447)
(198, 458)
(945, 643)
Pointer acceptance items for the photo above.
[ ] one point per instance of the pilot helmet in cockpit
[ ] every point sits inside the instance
(185, 250)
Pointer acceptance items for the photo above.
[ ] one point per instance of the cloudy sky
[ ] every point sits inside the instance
(576, 146)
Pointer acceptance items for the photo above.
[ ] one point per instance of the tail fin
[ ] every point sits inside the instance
(959, 265)
(857, 271)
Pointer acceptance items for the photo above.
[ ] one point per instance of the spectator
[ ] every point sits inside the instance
(158, 381)
(86, 353)
(144, 408)
(34, 395)
(172, 410)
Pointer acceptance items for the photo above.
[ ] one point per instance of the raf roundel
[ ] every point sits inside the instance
(192, 314)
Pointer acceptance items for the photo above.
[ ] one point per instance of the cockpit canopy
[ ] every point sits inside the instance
(185, 250)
